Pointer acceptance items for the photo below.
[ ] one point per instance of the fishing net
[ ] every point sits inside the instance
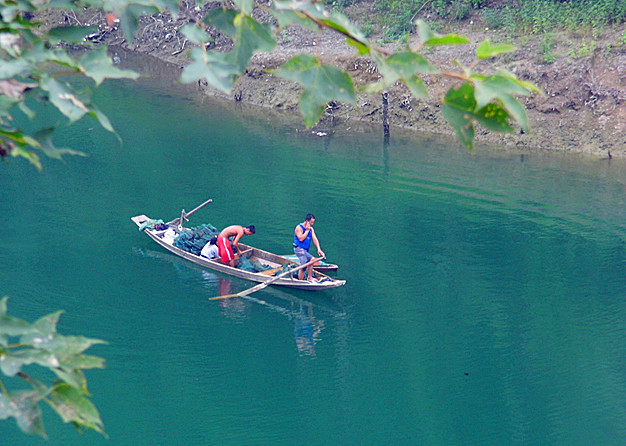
(150, 224)
(254, 266)
(193, 240)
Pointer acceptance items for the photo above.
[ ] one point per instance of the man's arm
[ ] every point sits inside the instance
(236, 240)
(317, 243)
(301, 234)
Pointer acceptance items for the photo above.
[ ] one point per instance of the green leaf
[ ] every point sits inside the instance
(97, 65)
(95, 113)
(6, 408)
(249, 37)
(424, 32)
(40, 344)
(10, 42)
(195, 34)
(222, 19)
(24, 407)
(44, 359)
(417, 87)
(62, 346)
(170, 5)
(490, 87)
(20, 138)
(245, 6)
(74, 362)
(321, 83)
(11, 362)
(461, 124)
(70, 34)
(39, 54)
(47, 325)
(74, 378)
(26, 110)
(28, 154)
(286, 17)
(8, 13)
(486, 50)
(494, 118)
(342, 24)
(11, 326)
(72, 406)
(129, 19)
(14, 68)
(449, 39)
(45, 136)
(516, 110)
(404, 67)
(7, 103)
(68, 5)
(361, 48)
(213, 67)
(458, 107)
(501, 88)
(407, 63)
(333, 20)
(524, 84)
(429, 37)
(64, 99)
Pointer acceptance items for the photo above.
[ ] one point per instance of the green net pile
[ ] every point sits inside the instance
(254, 266)
(193, 240)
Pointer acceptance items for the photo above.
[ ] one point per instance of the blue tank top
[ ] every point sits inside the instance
(304, 244)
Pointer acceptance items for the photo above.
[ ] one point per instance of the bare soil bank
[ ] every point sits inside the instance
(583, 109)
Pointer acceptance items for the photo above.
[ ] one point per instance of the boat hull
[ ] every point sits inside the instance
(253, 253)
(321, 266)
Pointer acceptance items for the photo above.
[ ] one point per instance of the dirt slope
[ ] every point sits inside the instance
(583, 108)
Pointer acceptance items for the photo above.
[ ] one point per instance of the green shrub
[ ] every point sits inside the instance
(339, 4)
(584, 49)
(546, 45)
(534, 16)
(546, 15)
(396, 16)
(460, 11)
(499, 18)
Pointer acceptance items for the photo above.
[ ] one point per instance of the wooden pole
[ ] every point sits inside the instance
(386, 115)
(184, 215)
(262, 285)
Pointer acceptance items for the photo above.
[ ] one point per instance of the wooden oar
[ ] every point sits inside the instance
(262, 285)
(245, 252)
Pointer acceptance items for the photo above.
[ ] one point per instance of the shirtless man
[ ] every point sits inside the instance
(223, 243)
(303, 236)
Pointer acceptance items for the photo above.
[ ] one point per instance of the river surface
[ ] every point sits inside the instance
(485, 301)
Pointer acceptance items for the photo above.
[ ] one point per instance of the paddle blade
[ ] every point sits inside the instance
(225, 296)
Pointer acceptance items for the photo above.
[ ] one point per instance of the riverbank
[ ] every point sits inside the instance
(583, 108)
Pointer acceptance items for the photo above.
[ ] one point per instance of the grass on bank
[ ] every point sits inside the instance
(395, 17)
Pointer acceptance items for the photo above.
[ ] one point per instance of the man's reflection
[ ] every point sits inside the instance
(306, 328)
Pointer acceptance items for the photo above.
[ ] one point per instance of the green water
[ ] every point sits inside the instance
(484, 304)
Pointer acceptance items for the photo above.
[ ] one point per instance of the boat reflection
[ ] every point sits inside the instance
(307, 316)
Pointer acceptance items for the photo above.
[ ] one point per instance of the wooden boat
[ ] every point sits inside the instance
(278, 296)
(321, 266)
(276, 262)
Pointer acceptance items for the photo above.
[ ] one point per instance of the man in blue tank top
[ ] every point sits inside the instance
(303, 235)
